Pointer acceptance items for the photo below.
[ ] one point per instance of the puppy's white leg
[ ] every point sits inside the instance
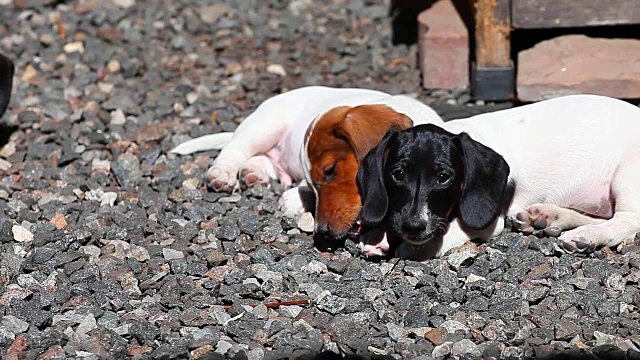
(454, 237)
(625, 223)
(253, 137)
(545, 216)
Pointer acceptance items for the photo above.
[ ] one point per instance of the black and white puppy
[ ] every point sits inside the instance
(570, 163)
(416, 182)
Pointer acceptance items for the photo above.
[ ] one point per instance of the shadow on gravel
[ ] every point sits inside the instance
(329, 355)
(603, 352)
(5, 133)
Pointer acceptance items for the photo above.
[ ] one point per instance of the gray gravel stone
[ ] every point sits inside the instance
(442, 350)
(465, 348)
(566, 330)
(127, 171)
(14, 324)
(396, 332)
(332, 304)
(452, 326)
(170, 254)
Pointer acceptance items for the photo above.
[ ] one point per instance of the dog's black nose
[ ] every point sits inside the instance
(325, 238)
(414, 226)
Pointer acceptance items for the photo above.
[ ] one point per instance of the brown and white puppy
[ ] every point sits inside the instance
(336, 143)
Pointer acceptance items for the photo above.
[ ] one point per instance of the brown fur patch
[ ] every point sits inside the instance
(365, 125)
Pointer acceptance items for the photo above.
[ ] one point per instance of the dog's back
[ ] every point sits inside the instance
(563, 151)
(416, 110)
(566, 123)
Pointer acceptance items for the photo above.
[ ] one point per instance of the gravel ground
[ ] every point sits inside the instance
(110, 248)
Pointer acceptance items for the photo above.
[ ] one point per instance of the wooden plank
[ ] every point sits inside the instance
(493, 28)
(535, 14)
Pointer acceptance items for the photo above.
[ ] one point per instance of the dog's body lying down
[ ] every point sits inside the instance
(318, 134)
(570, 163)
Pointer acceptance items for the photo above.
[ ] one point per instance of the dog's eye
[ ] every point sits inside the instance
(443, 178)
(398, 175)
(330, 172)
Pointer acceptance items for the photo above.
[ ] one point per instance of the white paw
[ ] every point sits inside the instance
(579, 240)
(222, 178)
(252, 176)
(536, 217)
(373, 243)
(371, 251)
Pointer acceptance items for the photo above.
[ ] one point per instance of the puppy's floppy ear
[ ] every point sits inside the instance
(485, 181)
(364, 126)
(370, 181)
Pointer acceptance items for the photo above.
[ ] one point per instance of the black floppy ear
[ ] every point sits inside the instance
(485, 181)
(370, 181)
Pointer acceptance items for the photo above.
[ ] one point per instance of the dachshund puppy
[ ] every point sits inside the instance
(570, 163)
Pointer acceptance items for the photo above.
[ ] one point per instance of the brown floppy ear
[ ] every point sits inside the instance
(364, 126)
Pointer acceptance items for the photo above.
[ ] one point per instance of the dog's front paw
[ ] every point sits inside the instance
(538, 217)
(221, 178)
(371, 251)
(582, 239)
(373, 244)
(252, 176)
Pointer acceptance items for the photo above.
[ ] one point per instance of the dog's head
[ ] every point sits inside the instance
(415, 182)
(335, 144)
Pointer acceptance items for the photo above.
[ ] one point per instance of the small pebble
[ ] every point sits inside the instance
(170, 254)
(117, 117)
(276, 69)
(73, 47)
(21, 234)
(306, 223)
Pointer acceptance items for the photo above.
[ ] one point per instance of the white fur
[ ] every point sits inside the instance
(579, 152)
(425, 214)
